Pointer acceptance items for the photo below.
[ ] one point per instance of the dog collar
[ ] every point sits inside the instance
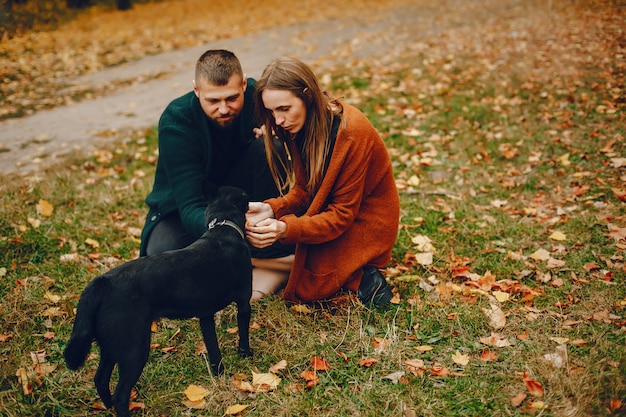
(214, 223)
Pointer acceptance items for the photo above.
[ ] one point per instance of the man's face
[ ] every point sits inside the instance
(221, 103)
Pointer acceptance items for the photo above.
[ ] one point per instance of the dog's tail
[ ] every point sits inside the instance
(83, 333)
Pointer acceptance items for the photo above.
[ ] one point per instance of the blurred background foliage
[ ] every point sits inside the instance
(19, 16)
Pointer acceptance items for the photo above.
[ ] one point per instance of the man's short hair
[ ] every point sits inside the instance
(217, 66)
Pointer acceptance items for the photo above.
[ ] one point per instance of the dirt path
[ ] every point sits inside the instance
(39, 140)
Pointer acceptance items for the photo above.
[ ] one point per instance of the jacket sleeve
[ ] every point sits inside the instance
(183, 152)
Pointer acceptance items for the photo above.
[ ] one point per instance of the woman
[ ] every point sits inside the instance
(342, 209)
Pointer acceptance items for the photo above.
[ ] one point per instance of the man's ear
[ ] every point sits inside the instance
(195, 88)
(244, 83)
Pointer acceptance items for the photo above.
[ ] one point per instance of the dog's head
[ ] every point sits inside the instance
(229, 203)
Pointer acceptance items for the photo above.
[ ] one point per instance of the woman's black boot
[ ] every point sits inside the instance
(374, 288)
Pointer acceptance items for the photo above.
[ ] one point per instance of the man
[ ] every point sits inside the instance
(207, 139)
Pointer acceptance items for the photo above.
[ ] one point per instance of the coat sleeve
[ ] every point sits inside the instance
(183, 156)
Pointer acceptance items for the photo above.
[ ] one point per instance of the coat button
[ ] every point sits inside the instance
(153, 218)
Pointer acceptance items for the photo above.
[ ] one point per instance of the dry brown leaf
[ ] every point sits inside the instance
(240, 381)
(497, 318)
(319, 364)
(22, 377)
(276, 368)
(534, 388)
(134, 405)
(558, 359)
(487, 355)
(518, 399)
(367, 362)
(394, 377)
(380, 343)
(439, 370)
(310, 377)
(414, 366)
(615, 405)
(495, 340)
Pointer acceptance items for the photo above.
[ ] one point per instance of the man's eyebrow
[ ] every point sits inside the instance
(233, 96)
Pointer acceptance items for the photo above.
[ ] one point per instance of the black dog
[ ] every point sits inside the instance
(117, 308)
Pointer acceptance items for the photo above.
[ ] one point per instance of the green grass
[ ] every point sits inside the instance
(493, 187)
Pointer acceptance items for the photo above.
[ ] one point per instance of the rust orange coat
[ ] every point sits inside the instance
(351, 222)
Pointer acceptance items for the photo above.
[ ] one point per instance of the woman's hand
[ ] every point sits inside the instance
(259, 132)
(257, 212)
(266, 232)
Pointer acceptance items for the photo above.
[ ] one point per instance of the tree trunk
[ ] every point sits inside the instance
(123, 4)
(77, 4)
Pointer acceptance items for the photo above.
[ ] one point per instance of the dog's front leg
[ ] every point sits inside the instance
(243, 322)
(207, 324)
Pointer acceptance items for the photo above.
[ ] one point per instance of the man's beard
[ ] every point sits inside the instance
(226, 125)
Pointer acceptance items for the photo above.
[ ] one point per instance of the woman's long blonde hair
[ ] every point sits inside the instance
(292, 75)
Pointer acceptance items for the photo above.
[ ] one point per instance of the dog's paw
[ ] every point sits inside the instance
(245, 352)
(217, 368)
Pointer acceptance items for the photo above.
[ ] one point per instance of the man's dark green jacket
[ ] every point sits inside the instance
(181, 181)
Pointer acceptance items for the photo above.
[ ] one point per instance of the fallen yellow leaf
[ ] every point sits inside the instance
(564, 159)
(424, 348)
(541, 255)
(301, 308)
(92, 242)
(265, 382)
(44, 208)
(195, 405)
(460, 359)
(196, 392)
(52, 297)
(501, 296)
(424, 259)
(560, 236)
(233, 410)
(413, 181)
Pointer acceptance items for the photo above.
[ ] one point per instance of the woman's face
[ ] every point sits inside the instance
(288, 111)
